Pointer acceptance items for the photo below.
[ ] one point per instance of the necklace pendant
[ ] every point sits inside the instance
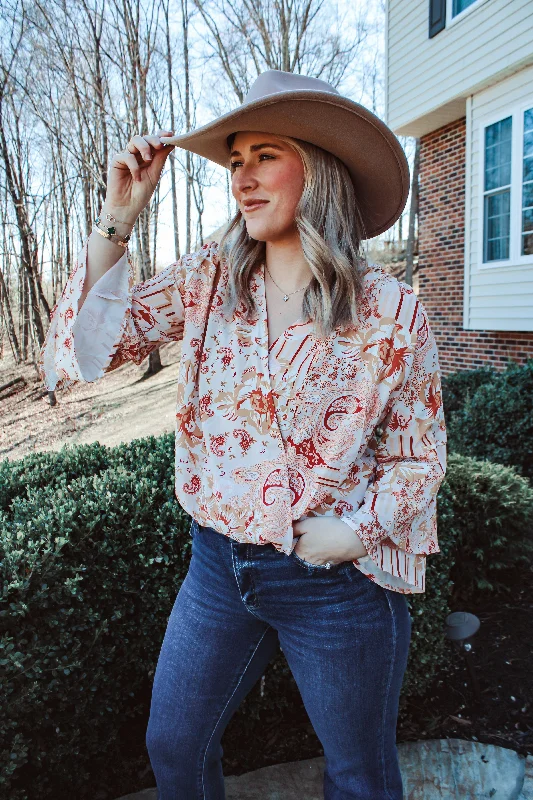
(286, 297)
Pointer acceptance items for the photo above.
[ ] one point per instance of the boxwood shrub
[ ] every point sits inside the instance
(94, 547)
(490, 524)
(490, 415)
(458, 387)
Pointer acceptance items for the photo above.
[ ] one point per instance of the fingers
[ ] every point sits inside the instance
(139, 144)
(167, 136)
(127, 160)
(143, 145)
(164, 133)
(140, 151)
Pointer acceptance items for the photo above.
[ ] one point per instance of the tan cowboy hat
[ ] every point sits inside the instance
(289, 104)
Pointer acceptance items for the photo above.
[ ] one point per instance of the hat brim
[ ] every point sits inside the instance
(370, 150)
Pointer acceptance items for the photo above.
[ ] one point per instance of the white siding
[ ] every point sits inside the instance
(428, 80)
(496, 297)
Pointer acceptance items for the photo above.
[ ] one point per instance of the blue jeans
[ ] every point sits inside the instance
(346, 641)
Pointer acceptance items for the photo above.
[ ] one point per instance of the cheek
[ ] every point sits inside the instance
(285, 176)
(288, 185)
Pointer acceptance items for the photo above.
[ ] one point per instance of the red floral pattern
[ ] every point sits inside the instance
(265, 437)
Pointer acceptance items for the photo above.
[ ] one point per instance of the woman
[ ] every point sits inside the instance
(310, 437)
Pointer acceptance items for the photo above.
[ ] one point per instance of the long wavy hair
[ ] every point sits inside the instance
(331, 231)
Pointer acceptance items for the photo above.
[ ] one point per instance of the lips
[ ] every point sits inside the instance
(254, 206)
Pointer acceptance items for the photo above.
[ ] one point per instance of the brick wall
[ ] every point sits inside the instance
(441, 259)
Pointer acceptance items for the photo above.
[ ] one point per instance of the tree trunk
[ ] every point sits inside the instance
(8, 319)
(172, 157)
(188, 160)
(413, 211)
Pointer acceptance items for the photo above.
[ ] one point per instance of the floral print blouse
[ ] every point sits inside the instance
(351, 425)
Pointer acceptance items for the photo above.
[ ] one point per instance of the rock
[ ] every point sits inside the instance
(435, 769)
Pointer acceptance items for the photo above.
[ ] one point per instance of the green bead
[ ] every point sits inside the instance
(111, 230)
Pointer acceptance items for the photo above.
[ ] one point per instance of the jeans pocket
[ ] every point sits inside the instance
(310, 566)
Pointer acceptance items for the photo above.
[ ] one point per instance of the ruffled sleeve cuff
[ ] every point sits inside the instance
(390, 566)
(80, 345)
(395, 569)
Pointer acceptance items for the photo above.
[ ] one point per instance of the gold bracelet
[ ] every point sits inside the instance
(111, 236)
(111, 218)
(111, 228)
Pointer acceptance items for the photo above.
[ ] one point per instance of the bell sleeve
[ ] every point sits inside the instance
(397, 519)
(119, 321)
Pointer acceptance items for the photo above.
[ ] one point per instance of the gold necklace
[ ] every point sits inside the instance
(285, 295)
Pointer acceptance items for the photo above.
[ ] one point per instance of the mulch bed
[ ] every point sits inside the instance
(502, 666)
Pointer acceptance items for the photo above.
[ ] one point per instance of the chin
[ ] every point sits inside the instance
(257, 234)
(261, 233)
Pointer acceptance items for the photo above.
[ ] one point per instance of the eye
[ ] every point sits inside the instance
(234, 164)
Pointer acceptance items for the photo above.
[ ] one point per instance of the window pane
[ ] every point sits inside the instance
(496, 226)
(498, 154)
(527, 172)
(527, 220)
(497, 203)
(528, 195)
(460, 5)
(527, 185)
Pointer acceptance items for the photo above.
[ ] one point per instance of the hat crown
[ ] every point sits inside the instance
(273, 81)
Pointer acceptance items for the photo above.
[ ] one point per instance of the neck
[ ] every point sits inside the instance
(286, 263)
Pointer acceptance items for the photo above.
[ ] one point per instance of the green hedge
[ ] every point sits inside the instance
(458, 387)
(93, 548)
(489, 519)
(488, 415)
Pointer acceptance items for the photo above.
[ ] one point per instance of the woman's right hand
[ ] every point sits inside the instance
(134, 174)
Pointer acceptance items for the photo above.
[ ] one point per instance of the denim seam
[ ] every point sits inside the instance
(387, 698)
(239, 588)
(227, 703)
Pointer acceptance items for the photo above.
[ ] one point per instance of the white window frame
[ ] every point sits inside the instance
(462, 14)
(515, 259)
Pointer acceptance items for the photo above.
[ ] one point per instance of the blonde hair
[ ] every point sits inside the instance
(331, 231)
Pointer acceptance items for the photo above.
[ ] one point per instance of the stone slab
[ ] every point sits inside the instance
(527, 787)
(434, 769)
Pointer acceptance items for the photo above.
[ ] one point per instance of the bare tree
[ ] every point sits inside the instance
(413, 212)
(79, 77)
(249, 36)
(169, 58)
(14, 156)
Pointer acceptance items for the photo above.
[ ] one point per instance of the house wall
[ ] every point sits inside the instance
(497, 295)
(441, 259)
(428, 80)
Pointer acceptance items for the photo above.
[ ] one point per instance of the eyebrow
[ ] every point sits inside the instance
(255, 147)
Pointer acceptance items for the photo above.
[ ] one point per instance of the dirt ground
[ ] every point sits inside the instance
(119, 407)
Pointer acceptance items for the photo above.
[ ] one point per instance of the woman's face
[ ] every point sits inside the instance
(266, 169)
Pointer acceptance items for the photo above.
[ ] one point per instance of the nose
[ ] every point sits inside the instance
(243, 180)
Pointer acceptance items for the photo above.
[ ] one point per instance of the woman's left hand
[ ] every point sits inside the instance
(322, 539)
